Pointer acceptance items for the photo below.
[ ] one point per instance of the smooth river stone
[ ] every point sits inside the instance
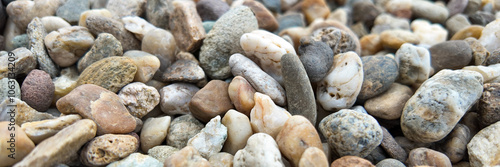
(239, 130)
(111, 73)
(175, 98)
(188, 156)
(65, 83)
(427, 157)
(440, 102)
(22, 12)
(414, 64)
(317, 58)
(261, 150)
(450, 55)
(267, 117)
(15, 144)
(341, 86)
(161, 43)
(241, 94)
(38, 131)
(154, 132)
(137, 25)
(52, 23)
(313, 157)
(210, 101)
(389, 105)
(68, 44)
(37, 90)
(491, 74)
(488, 38)
(484, 147)
(147, 65)
(379, 73)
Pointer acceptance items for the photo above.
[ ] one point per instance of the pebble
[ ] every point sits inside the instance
(239, 130)
(25, 61)
(224, 40)
(65, 83)
(175, 98)
(241, 95)
(317, 58)
(106, 45)
(488, 104)
(94, 12)
(488, 36)
(182, 129)
(359, 141)
(111, 73)
(15, 149)
(493, 58)
(66, 45)
(443, 58)
(11, 30)
(342, 84)
(266, 117)
(261, 81)
(126, 8)
(315, 9)
(210, 139)
(430, 11)
(456, 143)
(389, 162)
(157, 11)
(427, 157)
(300, 95)
(139, 98)
(36, 34)
(24, 113)
(399, 8)
(186, 71)
(483, 147)
(62, 146)
(389, 104)
(491, 74)
(261, 150)
(137, 25)
(162, 152)
(379, 73)
(355, 161)
(53, 23)
(186, 26)
(429, 34)
(393, 39)
(211, 10)
(456, 6)
(147, 65)
(38, 131)
(101, 24)
(37, 90)
(71, 10)
(154, 131)
(365, 12)
(456, 23)
(5, 92)
(22, 13)
(390, 145)
(108, 148)
(188, 156)
(386, 21)
(313, 157)
(481, 18)
(161, 43)
(101, 105)
(221, 159)
(297, 134)
(20, 41)
(377, 155)
(437, 106)
(208, 25)
(290, 20)
(339, 40)
(414, 64)
(137, 160)
(265, 17)
(210, 101)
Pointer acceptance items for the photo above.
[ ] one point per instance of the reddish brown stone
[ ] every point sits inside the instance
(210, 101)
(37, 90)
(265, 18)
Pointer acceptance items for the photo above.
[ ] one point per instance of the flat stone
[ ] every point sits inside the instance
(147, 65)
(430, 11)
(315, 9)
(224, 40)
(108, 148)
(437, 106)
(37, 90)
(351, 161)
(106, 45)
(261, 150)
(241, 95)
(24, 113)
(414, 64)
(389, 104)
(316, 57)
(66, 45)
(379, 73)
(157, 11)
(186, 71)
(393, 39)
(16, 143)
(210, 101)
(390, 146)
(175, 98)
(126, 8)
(62, 146)
(101, 105)
(265, 18)
(36, 34)
(221, 159)
(427, 157)
(137, 160)
(161, 153)
(154, 132)
(137, 25)
(267, 117)
(210, 139)
(23, 13)
(483, 147)
(441, 58)
(340, 41)
(38, 131)
(488, 105)
(211, 10)
(100, 24)
(24, 60)
(186, 26)
(111, 73)
(239, 130)
(71, 10)
(139, 98)
(188, 156)
(182, 129)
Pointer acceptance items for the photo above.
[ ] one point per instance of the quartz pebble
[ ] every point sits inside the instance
(488, 38)
(37, 90)
(429, 10)
(414, 64)
(347, 161)
(52, 23)
(483, 147)
(68, 44)
(188, 156)
(210, 101)
(239, 130)
(24, 60)
(16, 148)
(241, 95)
(175, 98)
(221, 159)
(428, 34)
(162, 152)
(211, 10)
(210, 139)
(108, 148)
(182, 129)
(65, 83)
(71, 10)
(106, 45)
(111, 73)
(265, 18)
(100, 24)
(139, 98)
(154, 131)
(36, 34)
(126, 8)
(186, 26)
(161, 43)
(379, 73)
(137, 160)
(317, 58)
(266, 117)
(491, 74)
(147, 65)
(261, 150)
(137, 25)
(313, 157)
(389, 104)
(443, 58)
(488, 105)
(94, 12)
(24, 113)
(38, 131)
(427, 157)
(437, 106)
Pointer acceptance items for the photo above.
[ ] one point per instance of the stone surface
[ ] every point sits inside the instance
(53, 23)
(94, 12)
(427, 157)
(483, 147)
(370, 44)
(414, 64)
(10, 88)
(315, 9)
(344, 140)
(24, 60)
(261, 150)
(489, 104)
(348, 160)
(100, 24)
(211, 10)
(71, 10)
(147, 65)
(106, 45)
(300, 95)
(297, 134)
(223, 41)
(392, 148)
(389, 162)
(66, 45)
(108, 148)
(65, 83)
(139, 98)
(427, 33)
(20, 41)
(186, 26)
(265, 18)
(389, 104)
(36, 34)
(37, 90)
(313, 157)
(241, 95)
(175, 98)
(137, 25)
(342, 84)
(38, 131)
(266, 117)
(137, 160)
(100, 105)
(290, 20)
(62, 146)
(24, 113)
(429, 10)
(488, 38)
(111, 73)
(11, 31)
(157, 11)
(393, 39)
(15, 143)
(182, 129)
(161, 43)
(154, 131)
(23, 13)
(379, 73)
(161, 153)
(456, 23)
(239, 130)
(186, 71)
(210, 139)
(365, 12)
(339, 40)
(221, 159)
(441, 58)
(316, 57)
(210, 101)
(437, 106)
(188, 156)
(481, 18)
(490, 74)
(455, 146)
(126, 8)
(261, 81)
(456, 6)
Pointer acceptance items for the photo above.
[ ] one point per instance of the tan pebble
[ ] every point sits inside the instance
(351, 161)
(41, 130)
(221, 159)
(370, 44)
(474, 31)
(93, 12)
(188, 156)
(111, 73)
(389, 105)
(147, 65)
(188, 30)
(266, 116)
(210, 101)
(265, 18)
(239, 130)
(314, 9)
(313, 157)
(427, 157)
(108, 148)
(393, 39)
(154, 132)
(52, 23)
(15, 144)
(241, 94)
(161, 43)
(66, 45)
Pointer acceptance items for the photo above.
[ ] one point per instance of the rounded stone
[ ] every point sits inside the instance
(389, 104)
(261, 150)
(365, 12)
(221, 159)
(313, 156)
(22, 13)
(161, 153)
(154, 131)
(210, 101)
(455, 146)
(427, 33)
(147, 65)
(347, 161)
(13, 149)
(106, 45)
(127, 7)
(188, 156)
(72, 9)
(393, 149)
(265, 17)
(340, 41)
(239, 130)
(370, 44)
(359, 141)
(37, 90)
(317, 58)
(101, 24)
(314, 9)
(186, 71)
(182, 129)
(111, 73)
(481, 18)
(427, 157)
(211, 10)
(393, 39)
(489, 104)
(241, 94)
(25, 61)
(139, 98)
(137, 25)
(450, 55)
(267, 117)
(379, 74)
(483, 148)
(414, 64)
(430, 10)
(108, 148)
(456, 6)
(160, 43)
(389, 162)
(488, 36)
(66, 45)
(175, 98)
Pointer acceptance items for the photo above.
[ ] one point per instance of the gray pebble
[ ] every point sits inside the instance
(379, 73)
(316, 57)
(36, 33)
(72, 9)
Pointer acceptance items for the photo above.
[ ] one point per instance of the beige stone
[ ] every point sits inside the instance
(154, 132)
(261, 150)
(188, 156)
(221, 159)
(65, 83)
(111, 73)
(313, 157)
(108, 148)
(66, 45)
(41, 130)
(14, 143)
(267, 117)
(393, 39)
(52, 23)
(389, 105)
(314, 9)
(239, 130)
(483, 147)
(94, 12)
(188, 29)
(241, 94)
(427, 157)
(161, 43)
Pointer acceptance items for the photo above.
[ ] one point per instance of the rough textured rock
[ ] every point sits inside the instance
(24, 113)
(13, 148)
(241, 95)
(390, 146)
(339, 40)
(100, 24)
(36, 34)
(186, 71)
(221, 159)
(261, 150)
(108, 148)
(427, 157)
(317, 58)
(483, 147)
(266, 117)
(186, 26)
(414, 64)
(161, 153)
(188, 156)
(441, 58)
(182, 129)
(38, 131)
(437, 106)
(111, 73)
(210, 101)
(210, 139)
(489, 104)
(106, 45)
(10, 88)
(137, 160)
(154, 131)
(68, 44)
(25, 62)
(379, 73)
(389, 105)
(349, 160)
(37, 90)
(211, 10)
(239, 130)
(94, 12)
(139, 98)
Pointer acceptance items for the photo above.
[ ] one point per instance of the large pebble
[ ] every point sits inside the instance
(100, 24)
(157, 11)
(211, 10)
(427, 157)
(175, 98)
(52, 23)
(24, 60)
(182, 129)
(139, 98)
(455, 146)
(317, 58)
(414, 64)
(186, 71)
(261, 81)
(342, 84)
(489, 104)
(221, 159)
(161, 43)
(137, 160)
(108, 148)
(389, 105)
(313, 157)
(126, 7)
(68, 44)
(300, 95)
(347, 161)
(484, 147)
(210, 139)
(360, 141)
(147, 65)
(106, 45)
(186, 26)
(379, 73)
(489, 38)
(393, 39)
(62, 146)
(188, 156)
(37, 90)
(265, 18)
(339, 40)
(71, 10)
(210, 101)
(154, 131)
(137, 25)
(224, 40)
(437, 106)
(266, 117)
(241, 94)
(239, 130)
(36, 34)
(38, 131)
(23, 12)
(24, 113)
(111, 73)
(101, 105)
(450, 55)
(315, 9)
(429, 10)
(162, 152)
(15, 143)
(261, 150)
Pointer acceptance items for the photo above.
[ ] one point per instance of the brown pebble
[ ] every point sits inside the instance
(427, 157)
(351, 161)
(392, 147)
(210, 101)
(37, 90)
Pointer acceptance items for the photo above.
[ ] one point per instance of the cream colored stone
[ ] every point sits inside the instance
(93, 12)
(239, 130)
(491, 74)
(161, 43)
(41, 130)
(221, 159)
(490, 38)
(188, 156)
(261, 150)
(137, 25)
(210, 139)
(393, 39)
(266, 117)
(313, 157)
(66, 45)
(65, 83)
(389, 105)
(175, 98)
(154, 131)
(52, 23)
(414, 64)
(484, 147)
(14, 143)
(429, 34)
(147, 65)
(139, 98)
(241, 94)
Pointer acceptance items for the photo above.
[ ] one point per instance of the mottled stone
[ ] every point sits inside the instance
(23, 112)
(36, 34)
(66, 45)
(71, 10)
(379, 73)
(389, 162)
(37, 90)
(315, 9)
(266, 117)
(455, 146)
(210, 101)
(24, 62)
(65, 83)
(161, 153)
(450, 55)
(188, 156)
(175, 98)
(340, 41)
(23, 12)
(393, 39)
(389, 104)
(111, 73)
(221, 159)
(137, 25)
(126, 8)
(488, 37)
(108, 148)
(61, 147)
(489, 104)
(15, 143)
(211, 10)
(186, 71)
(20, 41)
(182, 129)
(483, 147)
(428, 34)
(429, 10)
(94, 12)
(481, 18)
(147, 65)
(106, 45)
(493, 58)
(427, 157)
(210, 139)
(186, 26)
(414, 64)
(100, 24)
(239, 130)
(241, 95)
(161, 43)
(157, 11)
(139, 98)
(347, 161)
(137, 160)
(101, 105)
(399, 8)
(456, 6)
(223, 41)
(344, 140)
(265, 18)
(38, 131)
(154, 132)
(10, 88)
(437, 106)
(317, 58)
(261, 150)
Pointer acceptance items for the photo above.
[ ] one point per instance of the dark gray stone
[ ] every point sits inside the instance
(317, 58)
(493, 58)
(211, 10)
(184, 71)
(365, 12)
(21, 41)
(456, 6)
(481, 18)
(379, 73)
(450, 55)
(72, 9)
(101, 24)
(3, 17)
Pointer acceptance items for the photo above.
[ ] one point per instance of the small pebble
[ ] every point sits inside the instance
(126, 8)
(94, 12)
(393, 39)
(241, 95)
(139, 98)
(265, 18)
(429, 34)
(147, 65)
(430, 11)
(450, 55)
(313, 157)
(37, 90)
(455, 146)
(65, 83)
(379, 73)
(347, 161)
(175, 98)
(261, 150)
(111, 73)
(101, 24)
(137, 25)
(137, 160)
(161, 43)
(106, 45)
(456, 6)
(483, 147)
(481, 18)
(340, 41)
(401, 9)
(25, 61)
(154, 131)
(389, 162)
(317, 58)
(211, 10)
(389, 104)
(38, 131)
(427, 157)
(239, 130)
(188, 156)
(108, 148)
(36, 34)
(24, 113)
(267, 117)
(221, 159)
(186, 71)
(157, 11)
(210, 101)
(390, 146)
(187, 27)
(489, 104)
(365, 12)
(414, 64)
(66, 45)
(210, 139)
(162, 152)
(315, 9)
(22, 144)
(71, 10)
(456, 23)
(182, 129)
